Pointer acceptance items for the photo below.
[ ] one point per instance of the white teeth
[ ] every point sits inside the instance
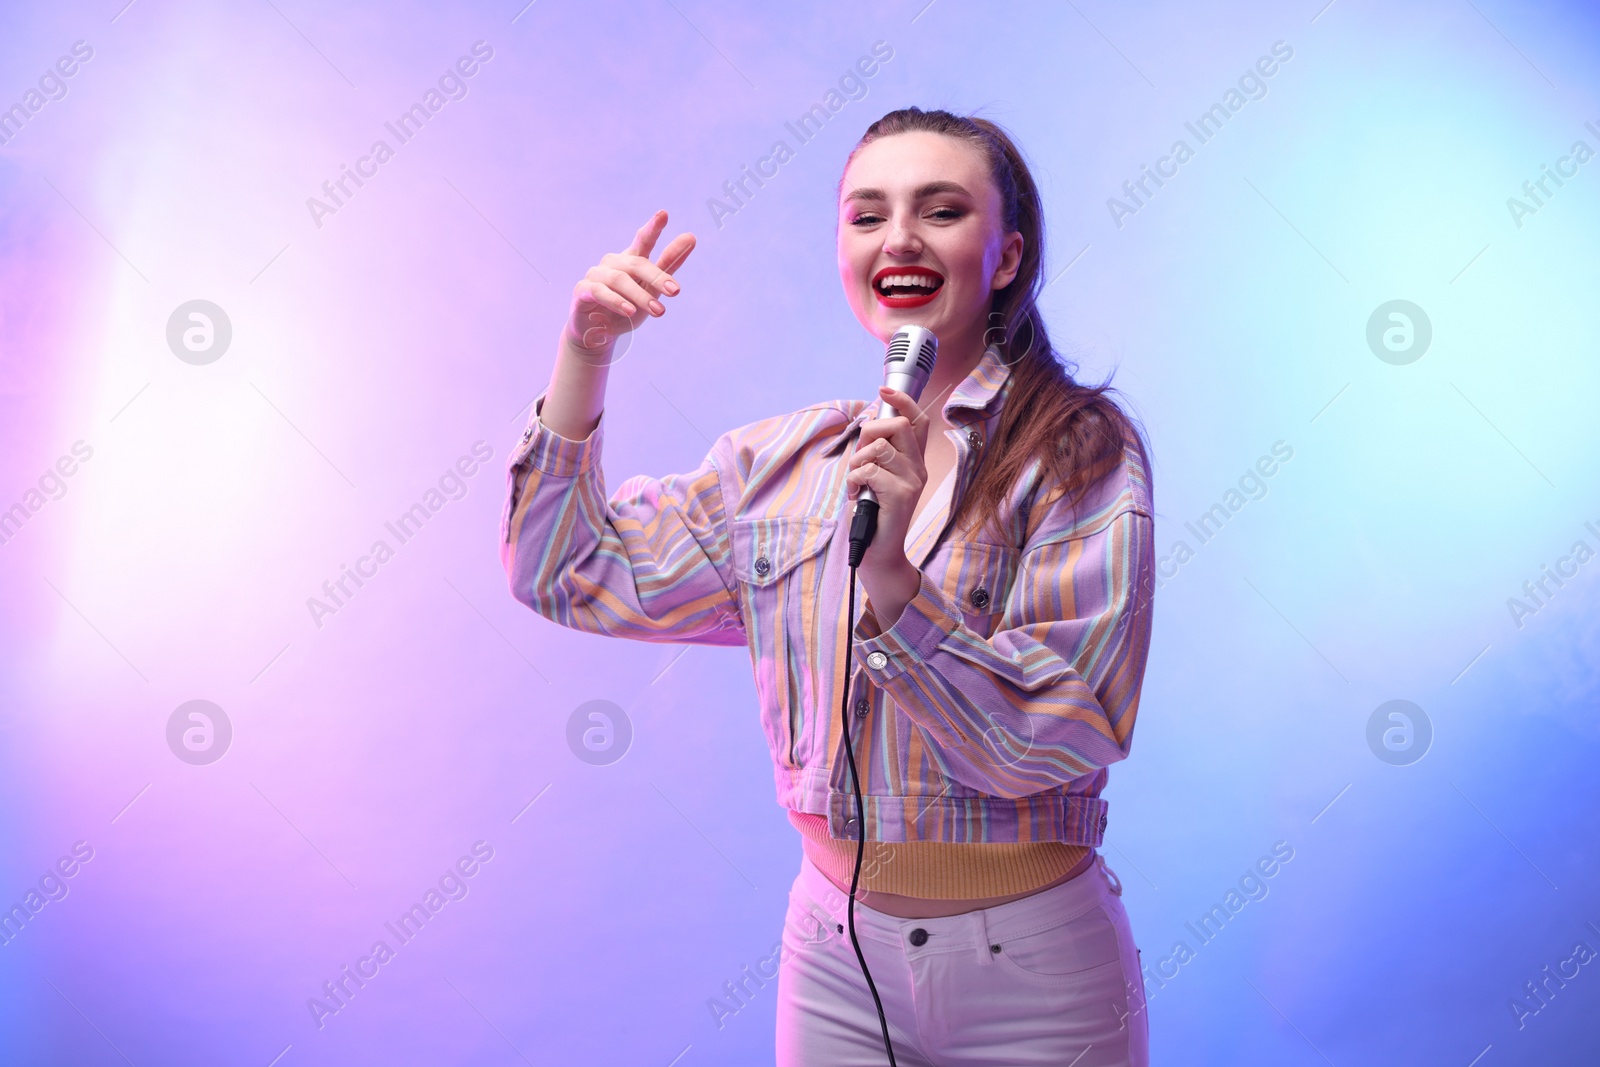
(909, 281)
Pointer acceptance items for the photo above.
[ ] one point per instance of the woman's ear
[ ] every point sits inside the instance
(1010, 260)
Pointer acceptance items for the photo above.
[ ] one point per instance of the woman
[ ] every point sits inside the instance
(998, 653)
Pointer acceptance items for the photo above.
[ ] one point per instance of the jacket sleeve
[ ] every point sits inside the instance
(653, 563)
(1053, 694)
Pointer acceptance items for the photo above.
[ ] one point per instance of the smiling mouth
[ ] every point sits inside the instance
(903, 287)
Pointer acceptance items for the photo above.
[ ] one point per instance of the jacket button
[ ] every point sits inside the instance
(850, 829)
(877, 661)
(1102, 823)
(974, 438)
(763, 565)
(919, 937)
(980, 598)
(862, 707)
(528, 433)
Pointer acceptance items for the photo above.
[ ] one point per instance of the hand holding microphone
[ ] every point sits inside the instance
(888, 459)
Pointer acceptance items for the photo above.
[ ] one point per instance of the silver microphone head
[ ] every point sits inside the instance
(913, 350)
(906, 367)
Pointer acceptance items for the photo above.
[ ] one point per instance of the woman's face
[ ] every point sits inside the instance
(921, 239)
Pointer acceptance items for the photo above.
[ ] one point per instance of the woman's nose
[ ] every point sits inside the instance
(900, 238)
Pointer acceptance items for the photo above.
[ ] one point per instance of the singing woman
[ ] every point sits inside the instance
(997, 652)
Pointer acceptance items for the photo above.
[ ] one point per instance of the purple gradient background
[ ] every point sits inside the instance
(371, 351)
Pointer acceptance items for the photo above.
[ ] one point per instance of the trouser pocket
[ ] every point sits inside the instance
(1065, 951)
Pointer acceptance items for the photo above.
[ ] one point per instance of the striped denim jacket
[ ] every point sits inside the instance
(987, 713)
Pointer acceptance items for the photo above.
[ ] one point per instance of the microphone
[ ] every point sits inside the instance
(906, 367)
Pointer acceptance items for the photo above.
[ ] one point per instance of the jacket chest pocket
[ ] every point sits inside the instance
(978, 576)
(779, 564)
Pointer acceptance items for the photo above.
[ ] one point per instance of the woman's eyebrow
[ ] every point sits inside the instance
(922, 192)
(935, 188)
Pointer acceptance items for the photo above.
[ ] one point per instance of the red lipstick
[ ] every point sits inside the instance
(906, 287)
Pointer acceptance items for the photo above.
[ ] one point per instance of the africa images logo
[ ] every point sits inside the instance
(1399, 332)
(1399, 732)
(199, 332)
(199, 732)
(599, 732)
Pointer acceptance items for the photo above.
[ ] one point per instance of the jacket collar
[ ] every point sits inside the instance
(981, 391)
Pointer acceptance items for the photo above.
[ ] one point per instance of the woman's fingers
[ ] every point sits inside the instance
(608, 300)
(635, 259)
(881, 456)
(902, 403)
(883, 438)
(645, 239)
(888, 453)
(912, 434)
(606, 297)
(641, 270)
(862, 473)
(895, 434)
(673, 256)
(880, 453)
(628, 286)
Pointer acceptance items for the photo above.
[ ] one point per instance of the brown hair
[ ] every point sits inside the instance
(1076, 432)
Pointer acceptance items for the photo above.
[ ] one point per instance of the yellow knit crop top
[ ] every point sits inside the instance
(943, 870)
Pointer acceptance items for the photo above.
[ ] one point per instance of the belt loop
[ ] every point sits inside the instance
(1112, 880)
(981, 921)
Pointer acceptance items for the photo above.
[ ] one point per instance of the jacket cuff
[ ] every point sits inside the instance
(551, 453)
(928, 618)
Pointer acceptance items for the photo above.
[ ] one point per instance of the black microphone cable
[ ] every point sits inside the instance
(907, 363)
(862, 526)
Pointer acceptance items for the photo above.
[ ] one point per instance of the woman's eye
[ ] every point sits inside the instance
(865, 220)
(946, 213)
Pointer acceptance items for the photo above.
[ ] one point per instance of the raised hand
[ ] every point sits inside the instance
(617, 294)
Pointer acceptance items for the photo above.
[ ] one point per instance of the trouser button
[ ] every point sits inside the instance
(919, 937)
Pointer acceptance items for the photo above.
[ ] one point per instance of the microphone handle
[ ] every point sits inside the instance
(906, 383)
(864, 521)
(884, 412)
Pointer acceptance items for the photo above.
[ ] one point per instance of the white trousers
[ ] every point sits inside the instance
(1051, 979)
